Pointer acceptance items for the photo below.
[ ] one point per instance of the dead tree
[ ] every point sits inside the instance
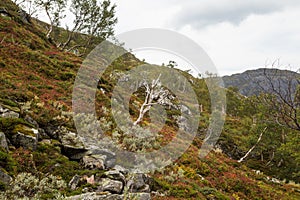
(253, 147)
(281, 96)
(155, 94)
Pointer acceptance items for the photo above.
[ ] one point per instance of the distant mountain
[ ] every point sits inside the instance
(253, 82)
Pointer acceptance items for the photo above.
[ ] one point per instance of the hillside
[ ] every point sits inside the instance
(253, 82)
(43, 157)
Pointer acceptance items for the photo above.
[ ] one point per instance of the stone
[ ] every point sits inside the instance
(96, 196)
(139, 196)
(51, 131)
(112, 186)
(115, 175)
(121, 169)
(74, 182)
(7, 113)
(25, 141)
(25, 137)
(5, 178)
(105, 157)
(3, 142)
(138, 183)
(104, 196)
(72, 146)
(94, 161)
(185, 110)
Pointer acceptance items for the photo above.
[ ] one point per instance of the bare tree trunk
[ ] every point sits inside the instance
(271, 159)
(251, 149)
(150, 94)
(48, 35)
(3, 39)
(143, 111)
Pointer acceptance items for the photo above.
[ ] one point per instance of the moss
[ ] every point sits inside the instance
(20, 128)
(67, 76)
(7, 102)
(7, 162)
(2, 186)
(213, 193)
(48, 159)
(8, 124)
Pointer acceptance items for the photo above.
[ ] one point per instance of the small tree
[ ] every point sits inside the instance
(101, 21)
(155, 94)
(54, 10)
(172, 64)
(91, 18)
(280, 96)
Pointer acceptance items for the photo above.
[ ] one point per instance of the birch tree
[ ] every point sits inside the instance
(155, 94)
(91, 18)
(54, 10)
(253, 147)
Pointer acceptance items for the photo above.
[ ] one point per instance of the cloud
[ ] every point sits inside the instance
(203, 13)
(237, 34)
(256, 40)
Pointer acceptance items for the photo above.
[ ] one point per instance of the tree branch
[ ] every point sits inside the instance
(251, 149)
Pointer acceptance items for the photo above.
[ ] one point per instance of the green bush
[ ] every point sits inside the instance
(28, 186)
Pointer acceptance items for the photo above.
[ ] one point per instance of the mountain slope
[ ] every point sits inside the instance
(40, 148)
(253, 82)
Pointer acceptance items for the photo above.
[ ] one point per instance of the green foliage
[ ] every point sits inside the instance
(48, 159)
(28, 186)
(137, 138)
(7, 162)
(92, 18)
(8, 124)
(54, 10)
(2, 186)
(213, 193)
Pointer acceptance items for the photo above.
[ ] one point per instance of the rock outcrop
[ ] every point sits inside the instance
(72, 145)
(9, 113)
(3, 142)
(24, 136)
(101, 196)
(4, 178)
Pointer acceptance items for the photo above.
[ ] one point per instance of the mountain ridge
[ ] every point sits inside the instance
(253, 82)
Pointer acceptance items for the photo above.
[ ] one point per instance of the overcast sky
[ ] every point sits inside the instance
(237, 34)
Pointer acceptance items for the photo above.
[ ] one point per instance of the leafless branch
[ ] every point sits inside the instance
(253, 147)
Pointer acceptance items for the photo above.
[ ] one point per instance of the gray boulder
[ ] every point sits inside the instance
(3, 141)
(109, 185)
(74, 182)
(139, 196)
(185, 110)
(72, 145)
(25, 137)
(115, 175)
(94, 161)
(5, 178)
(97, 196)
(99, 158)
(8, 113)
(138, 183)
